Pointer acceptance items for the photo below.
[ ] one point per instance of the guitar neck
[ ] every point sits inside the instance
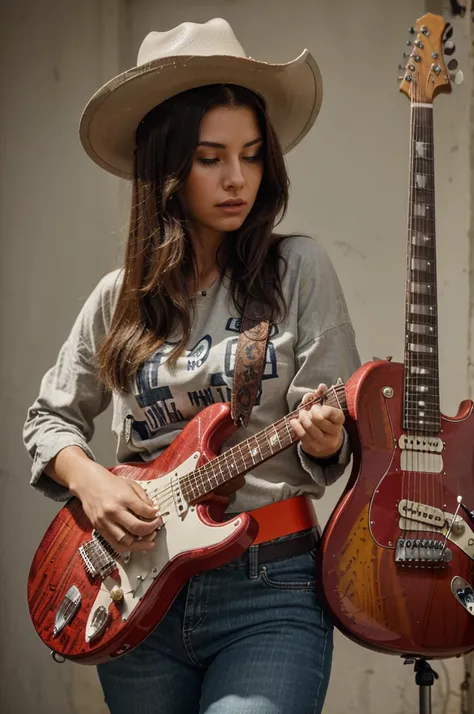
(253, 451)
(421, 388)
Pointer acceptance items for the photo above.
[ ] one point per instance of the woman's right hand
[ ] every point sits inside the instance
(118, 508)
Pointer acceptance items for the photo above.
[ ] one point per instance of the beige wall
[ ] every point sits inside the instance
(63, 226)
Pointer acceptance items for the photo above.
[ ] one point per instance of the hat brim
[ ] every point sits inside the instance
(292, 92)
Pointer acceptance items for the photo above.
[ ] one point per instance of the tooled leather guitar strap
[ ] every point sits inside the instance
(249, 362)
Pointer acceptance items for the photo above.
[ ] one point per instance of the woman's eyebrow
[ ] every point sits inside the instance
(216, 145)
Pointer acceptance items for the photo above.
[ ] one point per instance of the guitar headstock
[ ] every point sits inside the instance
(429, 68)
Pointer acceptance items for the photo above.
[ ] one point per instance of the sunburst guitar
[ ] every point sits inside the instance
(398, 551)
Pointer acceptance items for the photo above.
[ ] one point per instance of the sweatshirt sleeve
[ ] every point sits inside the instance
(325, 348)
(71, 394)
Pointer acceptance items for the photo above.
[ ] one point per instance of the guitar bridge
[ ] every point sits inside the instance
(422, 553)
(98, 556)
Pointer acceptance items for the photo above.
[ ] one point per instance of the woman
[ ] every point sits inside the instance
(200, 128)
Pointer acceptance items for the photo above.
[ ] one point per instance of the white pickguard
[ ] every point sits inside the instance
(180, 534)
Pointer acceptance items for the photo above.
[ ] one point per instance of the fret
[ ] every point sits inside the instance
(427, 340)
(243, 456)
(193, 494)
(420, 371)
(274, 439)
(428, 300)
(426, 414)
(422, 149)
(422, 180)
(422, 227)
(254, 451)
(420, 329)
(422, 265)
(421, 348)
(422, 424)
(426, 279)
(422, 241)
(422, 311)
(420, 288)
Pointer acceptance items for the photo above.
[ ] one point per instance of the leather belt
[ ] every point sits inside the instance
(290, 547)
(285, 529)
(283, 518)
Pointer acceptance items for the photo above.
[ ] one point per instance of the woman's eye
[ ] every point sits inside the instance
(252, 159)
(211, 162)
(207, 162)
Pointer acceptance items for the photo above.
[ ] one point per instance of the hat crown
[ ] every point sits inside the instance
(214, 37)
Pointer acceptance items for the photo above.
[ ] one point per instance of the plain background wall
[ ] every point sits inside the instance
(63, 223)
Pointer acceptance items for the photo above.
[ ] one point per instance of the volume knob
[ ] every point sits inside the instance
(116, 593)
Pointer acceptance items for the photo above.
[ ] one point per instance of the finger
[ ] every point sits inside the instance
(327, 428)
(311, 429)
(297, 428)
(151, 537)
(141, 493)
(136, 526)
(134, 502)
(333, 415)
(123, 542)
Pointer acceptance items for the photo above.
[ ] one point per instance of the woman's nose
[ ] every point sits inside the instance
(234, 176)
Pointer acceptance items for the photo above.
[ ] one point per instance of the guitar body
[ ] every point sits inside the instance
(408, 607)
(145, 584)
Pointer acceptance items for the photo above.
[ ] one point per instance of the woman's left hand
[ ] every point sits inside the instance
(319, 428)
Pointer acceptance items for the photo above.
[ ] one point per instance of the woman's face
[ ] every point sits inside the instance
(226, 172)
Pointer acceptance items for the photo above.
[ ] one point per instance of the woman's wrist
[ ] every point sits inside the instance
(70, 468)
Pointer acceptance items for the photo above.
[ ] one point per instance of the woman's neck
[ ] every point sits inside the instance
(205, 250)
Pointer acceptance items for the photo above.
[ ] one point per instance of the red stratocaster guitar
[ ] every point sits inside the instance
(87, 602)
(397, 555)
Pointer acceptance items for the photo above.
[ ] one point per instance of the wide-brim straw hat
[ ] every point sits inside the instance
(187, 56)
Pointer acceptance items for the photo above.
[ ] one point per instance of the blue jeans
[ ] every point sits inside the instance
(246, 638)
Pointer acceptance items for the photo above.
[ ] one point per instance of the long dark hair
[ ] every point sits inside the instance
(153, 299)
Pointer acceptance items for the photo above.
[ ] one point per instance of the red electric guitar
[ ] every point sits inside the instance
(87, 602)
(398, 552)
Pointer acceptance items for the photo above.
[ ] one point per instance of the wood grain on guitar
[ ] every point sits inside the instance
(90, 604)
(397, 555)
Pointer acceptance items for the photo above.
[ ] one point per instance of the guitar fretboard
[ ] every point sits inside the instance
(421, 398)
(244, 456)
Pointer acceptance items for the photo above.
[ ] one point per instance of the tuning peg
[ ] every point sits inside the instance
(457, 77)
(453, 64)
(449, 47)
(411, 30)
(402, 66)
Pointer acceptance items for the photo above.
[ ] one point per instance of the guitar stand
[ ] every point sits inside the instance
(424, 678)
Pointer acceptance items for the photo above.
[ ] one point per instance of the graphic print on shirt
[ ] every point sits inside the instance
(168, 399)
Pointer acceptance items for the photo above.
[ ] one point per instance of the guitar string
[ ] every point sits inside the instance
(165, 496)
(411, 230)
(195, 478)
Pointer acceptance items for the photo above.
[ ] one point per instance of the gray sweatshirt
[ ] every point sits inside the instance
(315, 343)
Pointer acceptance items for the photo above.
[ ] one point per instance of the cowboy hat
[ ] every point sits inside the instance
(187, 56)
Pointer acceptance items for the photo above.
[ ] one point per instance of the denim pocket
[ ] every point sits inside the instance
(290, 574)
